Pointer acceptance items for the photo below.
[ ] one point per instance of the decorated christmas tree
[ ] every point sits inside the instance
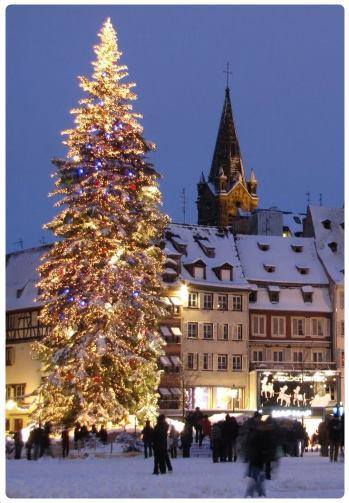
(101, 281)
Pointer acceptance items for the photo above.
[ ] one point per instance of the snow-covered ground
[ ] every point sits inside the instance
(128, 476)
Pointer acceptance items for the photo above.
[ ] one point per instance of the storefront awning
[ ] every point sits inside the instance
(164, 392)
(176, 331)
(176, 360)
(176, 301)
(175, 391)
(165, 331)
(165, 361)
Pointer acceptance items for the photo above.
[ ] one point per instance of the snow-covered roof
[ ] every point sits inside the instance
(291, 299)
(224, 251)
(333, 261)
(287, 263)
(21, 277)
(293, 221)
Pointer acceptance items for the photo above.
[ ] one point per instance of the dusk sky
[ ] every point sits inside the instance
(287, 90)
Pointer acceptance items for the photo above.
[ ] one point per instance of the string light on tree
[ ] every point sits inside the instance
(101, 281)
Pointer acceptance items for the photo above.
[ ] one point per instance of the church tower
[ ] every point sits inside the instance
(226, 189)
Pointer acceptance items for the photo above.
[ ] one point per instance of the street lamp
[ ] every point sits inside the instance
(234, 394)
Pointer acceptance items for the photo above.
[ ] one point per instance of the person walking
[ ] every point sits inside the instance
(205, 429)
(46, 441)
(197, 416)
(256, 446)
(186, 439)
(173, 441)
(17, 437)
(160, 446)
(29, 444)
(38, 435)
(334, 436)
(65, 442)
(216, 438)
(147, 437)
(77, 435)
(323, 436)
(229, 433)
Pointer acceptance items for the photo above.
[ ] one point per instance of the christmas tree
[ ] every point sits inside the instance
(101, 281)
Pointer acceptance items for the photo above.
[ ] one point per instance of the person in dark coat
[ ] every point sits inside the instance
(65, 442)
(334, 435)
(17, 437)
(94, 431)
(173, 437)
(77, 435)
(38, 441)
(160, 446)
(229, 429)
(147, 437)
(256, 448)
(197, 416)
(103, 435)
(46, 442)
(186, 439)
(216, 439)
(29, 444)
(323, 436)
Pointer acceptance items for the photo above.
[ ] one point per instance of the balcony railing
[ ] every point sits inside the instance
(269, 364)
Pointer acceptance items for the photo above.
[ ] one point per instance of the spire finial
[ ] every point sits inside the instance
(228, 73)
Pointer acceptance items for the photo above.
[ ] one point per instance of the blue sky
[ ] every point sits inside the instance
(287, 90)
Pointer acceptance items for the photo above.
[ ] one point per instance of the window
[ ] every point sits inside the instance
(342, 328)
(317, 325)
(297, 220)
(341, 300)
(207, 361)
(317, 357)
(225, 332)
(263, 246)
(193, 299)
(274, 296)
(253, 296)
(223, 302)
(258, 325)
(269, 267)
(278, 356)
(208, 301)
(307, 296)
(326, 224)
(226, 275)
(298, 326)
(237, 362)
(298, 356)
(332, 246)
(192, 330)
(342, 225)
(208, 331)
(297, 248)
(190, 360)
(302, 269)
(10, 355)
(237, 303)
(8, 391)
(257, 356)
(222, 362)
(199, 272)
(238, 332)
(18, 391)
(342, 358)
(278, 326)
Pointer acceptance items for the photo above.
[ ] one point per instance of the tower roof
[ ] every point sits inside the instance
(227, 150)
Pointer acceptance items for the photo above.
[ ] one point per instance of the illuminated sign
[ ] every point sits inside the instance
(290, 413)
(292, 389)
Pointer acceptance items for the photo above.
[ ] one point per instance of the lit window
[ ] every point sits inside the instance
(222, 362)
(193, 299)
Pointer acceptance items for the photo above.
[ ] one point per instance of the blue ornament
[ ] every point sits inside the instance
(101, 103)
(71, 299)
(89, 146)
(108, 136)
(80, 171)
(98, 164)
(130, 174)
(136, 294)
(61, 316)
(83, 303)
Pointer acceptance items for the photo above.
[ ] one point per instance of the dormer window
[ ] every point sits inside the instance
(224, 272)
(227, 274)
(263, 246)
(297, 248)
(210, 252)
(326, 224)
(342, 225)
(269, 267)
(332, 246)
(199, 272)
(307, 293)
(274, 293)
(297, 220)
(252, 296)
(303, 269)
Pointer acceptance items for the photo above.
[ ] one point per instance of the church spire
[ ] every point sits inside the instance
(227, 153)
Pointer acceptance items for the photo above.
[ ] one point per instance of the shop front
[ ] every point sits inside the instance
(303, 395)
(216, 398)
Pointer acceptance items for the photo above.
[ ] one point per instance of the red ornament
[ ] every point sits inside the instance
(97, 379)
(133, 186)
(69, 376)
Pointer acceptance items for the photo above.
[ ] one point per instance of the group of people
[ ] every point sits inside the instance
(39, 442)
